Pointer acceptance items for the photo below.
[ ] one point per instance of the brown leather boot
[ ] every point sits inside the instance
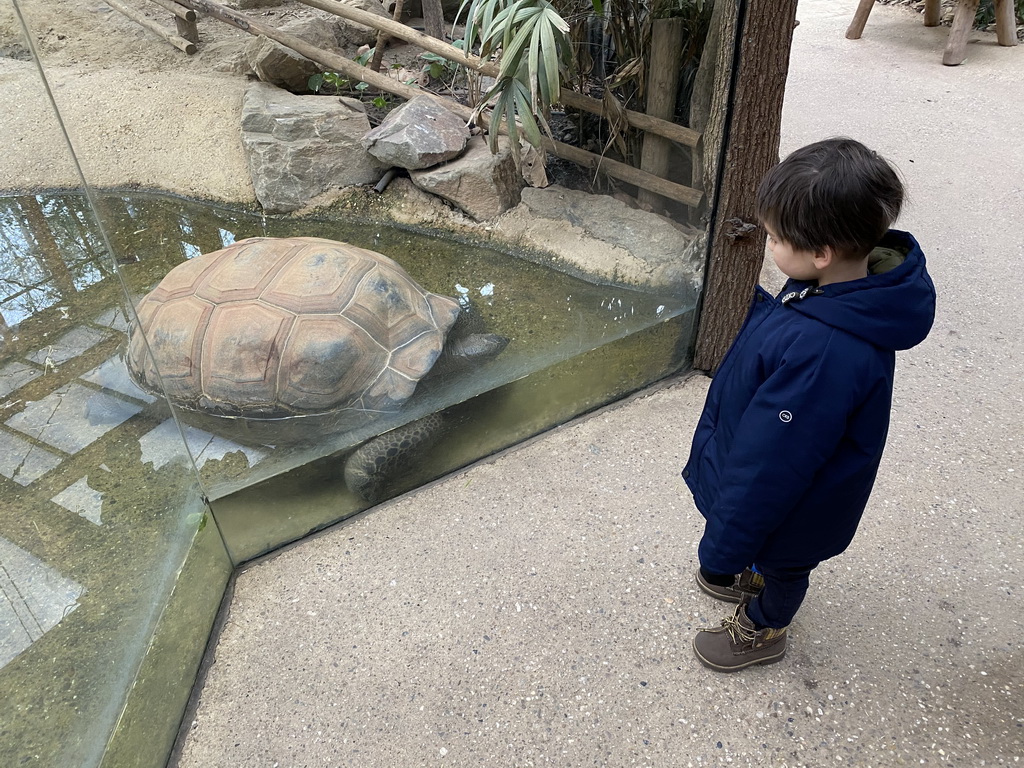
(737, 645)
(745, 586)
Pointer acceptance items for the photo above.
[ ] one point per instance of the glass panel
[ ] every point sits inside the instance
(313, 375)
(105, 547)
(547, 316)
(101, 501)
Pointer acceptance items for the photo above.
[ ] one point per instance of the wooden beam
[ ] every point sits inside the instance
(177, 41)
(764, 34)
(183, 13)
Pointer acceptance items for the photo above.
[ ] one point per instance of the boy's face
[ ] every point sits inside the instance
(799, 265)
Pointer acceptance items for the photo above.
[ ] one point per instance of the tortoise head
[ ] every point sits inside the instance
(468, 344)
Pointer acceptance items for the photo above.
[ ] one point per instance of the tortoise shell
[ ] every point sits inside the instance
(272, 328)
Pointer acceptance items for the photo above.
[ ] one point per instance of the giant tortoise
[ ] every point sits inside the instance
(286, 339)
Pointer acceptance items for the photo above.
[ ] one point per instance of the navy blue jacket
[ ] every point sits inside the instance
(786, 450)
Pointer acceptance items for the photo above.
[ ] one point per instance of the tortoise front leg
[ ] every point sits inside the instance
(372, 468)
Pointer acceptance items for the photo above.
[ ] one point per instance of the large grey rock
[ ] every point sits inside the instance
(418, 134)
(351, 33)
(600, 237)
(301, 146)
(482, 184)
(275, 64)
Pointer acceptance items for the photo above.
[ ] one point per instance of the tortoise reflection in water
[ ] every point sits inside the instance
(286, 339)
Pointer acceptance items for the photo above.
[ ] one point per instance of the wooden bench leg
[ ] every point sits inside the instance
(963, 22)
(932, 13)
(860, 18)
(1006, 23)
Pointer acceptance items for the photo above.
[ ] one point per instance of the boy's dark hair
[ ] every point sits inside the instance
(836, 193)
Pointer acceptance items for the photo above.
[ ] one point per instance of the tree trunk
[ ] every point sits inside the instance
(48, 254)
(433, 18)
(765, 34)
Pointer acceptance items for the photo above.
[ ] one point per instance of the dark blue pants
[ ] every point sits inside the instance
(784, 591)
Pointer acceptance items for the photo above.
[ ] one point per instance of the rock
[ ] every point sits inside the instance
(301, 146)
(228, 56)
(418, 134)
(351, 33)
(599, 237)
(482, 184)
(275, 64)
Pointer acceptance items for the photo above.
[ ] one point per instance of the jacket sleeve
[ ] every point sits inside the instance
(787, 433)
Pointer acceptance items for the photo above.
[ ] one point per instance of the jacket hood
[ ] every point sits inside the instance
(893, 307)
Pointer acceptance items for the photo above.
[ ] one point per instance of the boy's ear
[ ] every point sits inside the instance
(825, 257)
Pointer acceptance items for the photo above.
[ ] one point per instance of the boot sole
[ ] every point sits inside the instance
(753, 662)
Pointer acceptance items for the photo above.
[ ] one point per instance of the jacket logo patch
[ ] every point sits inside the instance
(785, 416)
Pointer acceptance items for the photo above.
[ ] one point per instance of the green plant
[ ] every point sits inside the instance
(437, 66)
(332, 79)
(986, 13)
(321, 80)
(541, 44)
(535, 52)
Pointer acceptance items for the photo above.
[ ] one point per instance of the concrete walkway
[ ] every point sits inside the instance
(538, 608)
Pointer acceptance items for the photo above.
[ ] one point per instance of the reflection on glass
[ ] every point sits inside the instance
(92, 538)
(35, 599)
(546, 316)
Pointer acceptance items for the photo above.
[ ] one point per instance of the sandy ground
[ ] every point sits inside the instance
(538, 608)
(138, 111)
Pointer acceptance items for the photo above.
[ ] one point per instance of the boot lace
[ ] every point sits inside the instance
(737, 631)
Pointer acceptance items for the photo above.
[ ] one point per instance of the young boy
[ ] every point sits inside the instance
(786, 450)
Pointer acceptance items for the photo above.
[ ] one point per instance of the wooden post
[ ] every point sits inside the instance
(187, 30)
(1006, 22)
(932, 12)
(860, 18)
(184, 20)
(963, 23)
(433, 18)
(662, 89)
(383, 37)
(765, 33)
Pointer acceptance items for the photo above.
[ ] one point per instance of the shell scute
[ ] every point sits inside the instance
(243, 273)
(316, 282)
(241, 354)
(328, 363)
(184, 279)
(176, 339)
